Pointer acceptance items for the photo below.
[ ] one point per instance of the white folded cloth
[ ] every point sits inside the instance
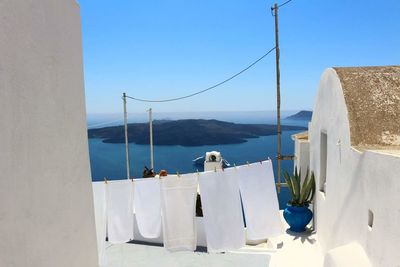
(178, 206)
(222, 210)
(260, 201)
(99, 199)
(120, 211)
(147, 205)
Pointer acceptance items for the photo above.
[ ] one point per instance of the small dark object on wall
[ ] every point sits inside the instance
(148, 172)
(163, 173)
(199, 210)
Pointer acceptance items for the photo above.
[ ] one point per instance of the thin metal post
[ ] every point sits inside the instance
(151, 139)
(128, 171)
(278, 95)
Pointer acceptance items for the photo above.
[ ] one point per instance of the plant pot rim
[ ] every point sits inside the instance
(295, 206)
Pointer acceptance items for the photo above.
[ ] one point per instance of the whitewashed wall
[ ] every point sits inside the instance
(356, 183)
(46, 209)
(302, 159)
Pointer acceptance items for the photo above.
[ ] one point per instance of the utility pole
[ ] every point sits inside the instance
(128, 171)
(151, 139)
(278, 95)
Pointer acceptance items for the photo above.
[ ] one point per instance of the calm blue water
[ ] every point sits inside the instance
(108, 160)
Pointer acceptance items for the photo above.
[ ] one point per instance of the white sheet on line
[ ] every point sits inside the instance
(222, 210)
(260, 201)
(178, 206)
(120, 211)
(147, 205)
(99, 199)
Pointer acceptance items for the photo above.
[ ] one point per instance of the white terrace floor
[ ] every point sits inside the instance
(286, 250)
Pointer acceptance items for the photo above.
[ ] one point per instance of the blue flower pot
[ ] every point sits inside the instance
(297, 217)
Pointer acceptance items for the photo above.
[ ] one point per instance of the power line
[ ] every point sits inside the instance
(207, 89)
(287, 2)
(281, 5)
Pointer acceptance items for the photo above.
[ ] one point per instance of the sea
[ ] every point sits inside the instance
(108, 160)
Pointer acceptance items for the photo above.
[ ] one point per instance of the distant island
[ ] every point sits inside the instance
(303, 115)
(188, 132)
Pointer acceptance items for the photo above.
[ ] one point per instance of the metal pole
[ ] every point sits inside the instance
(151, 139)
(128, 171)
(278, 96)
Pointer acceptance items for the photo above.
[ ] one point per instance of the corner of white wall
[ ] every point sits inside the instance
(46, 211)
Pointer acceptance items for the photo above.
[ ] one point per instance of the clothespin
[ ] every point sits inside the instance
(269, 158)
(261, 162)
(105, 180)
(223, 169)
(197, 171)
(177, 173)
(234, 165)
(248, 163)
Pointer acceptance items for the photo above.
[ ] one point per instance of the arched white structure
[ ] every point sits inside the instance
(355, 155)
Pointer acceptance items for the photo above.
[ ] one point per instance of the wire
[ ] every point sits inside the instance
(281, 5)
(287, 2)
(207, 89)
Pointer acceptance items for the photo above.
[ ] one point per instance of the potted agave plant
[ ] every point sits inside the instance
(297, 214)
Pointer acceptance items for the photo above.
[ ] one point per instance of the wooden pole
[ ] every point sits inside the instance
(128, 171)
(278, 96)
(151, 139)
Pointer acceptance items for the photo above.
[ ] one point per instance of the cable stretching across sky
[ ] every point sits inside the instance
(206, 89)
(287, 2)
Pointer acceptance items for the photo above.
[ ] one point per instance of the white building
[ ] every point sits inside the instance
(46, 202)
(353, 147)
(46, 208)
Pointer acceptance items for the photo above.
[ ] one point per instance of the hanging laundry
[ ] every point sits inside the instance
(147, 205)
(99, 199)
(222, 210)
(178, 206)
(120, 211)
(260, 201)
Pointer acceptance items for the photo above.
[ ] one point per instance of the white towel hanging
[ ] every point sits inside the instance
(178, 205)
(260, 201)
(222, 210)
(120, 211)
(147, 205)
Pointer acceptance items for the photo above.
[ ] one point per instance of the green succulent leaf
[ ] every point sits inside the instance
(313, 187)
(302, 192)
(296, 186)
(305, 190)
(288, 180)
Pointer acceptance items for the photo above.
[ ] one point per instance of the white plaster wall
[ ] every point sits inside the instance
(46, 209)
(381, 184)
(355, 183)
(349, 255)
(302, 153)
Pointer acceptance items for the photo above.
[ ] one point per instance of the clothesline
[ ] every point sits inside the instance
(197, 171)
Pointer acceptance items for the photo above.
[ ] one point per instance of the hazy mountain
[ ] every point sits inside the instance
(301, 115)
(189, 132)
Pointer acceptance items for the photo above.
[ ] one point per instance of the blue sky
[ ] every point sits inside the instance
(163, 49)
